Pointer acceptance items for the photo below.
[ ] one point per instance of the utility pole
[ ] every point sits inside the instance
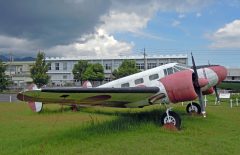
(10, 65)
(145, 59)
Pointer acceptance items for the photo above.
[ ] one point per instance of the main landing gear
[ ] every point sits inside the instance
(75, 108)
(193, 108)
(171, 120)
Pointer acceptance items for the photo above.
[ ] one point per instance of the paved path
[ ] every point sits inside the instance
(6, 97)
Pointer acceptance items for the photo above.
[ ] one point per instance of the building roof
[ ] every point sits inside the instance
(117, 57)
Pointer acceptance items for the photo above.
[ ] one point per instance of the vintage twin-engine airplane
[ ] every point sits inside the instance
(170, 83)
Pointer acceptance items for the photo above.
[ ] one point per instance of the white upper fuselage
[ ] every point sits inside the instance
(148, 78)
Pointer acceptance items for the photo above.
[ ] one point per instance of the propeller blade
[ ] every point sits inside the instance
(216, 93)
(197, 87)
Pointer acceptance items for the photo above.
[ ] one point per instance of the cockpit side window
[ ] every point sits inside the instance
(170, 70)
(165, 72)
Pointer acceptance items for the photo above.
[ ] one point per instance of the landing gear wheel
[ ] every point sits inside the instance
(173, 120)
(193, 108)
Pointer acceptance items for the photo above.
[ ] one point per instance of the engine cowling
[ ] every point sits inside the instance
(179, 86)
(209, 91)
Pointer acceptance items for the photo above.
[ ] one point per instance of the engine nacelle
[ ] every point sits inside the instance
(179, 86)
(209, 91)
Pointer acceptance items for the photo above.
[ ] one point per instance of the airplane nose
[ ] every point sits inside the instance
(220, 71)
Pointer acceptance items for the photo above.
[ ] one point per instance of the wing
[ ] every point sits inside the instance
(110, 97)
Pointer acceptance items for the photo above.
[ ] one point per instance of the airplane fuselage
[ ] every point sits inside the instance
(160, 77)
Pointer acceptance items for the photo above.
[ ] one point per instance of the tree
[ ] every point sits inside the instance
(79, 69)
(3, 77)
(94, 72)
(39, 71)
(128, 67)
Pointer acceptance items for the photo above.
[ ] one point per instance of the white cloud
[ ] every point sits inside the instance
(123, 22)
(181, 16)
(198, 14)
(121, 16)
(98, 44)
(227, 36)
(175, 23)
(17, 45)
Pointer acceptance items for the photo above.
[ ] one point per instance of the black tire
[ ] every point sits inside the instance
(174, 119)
(193, 108)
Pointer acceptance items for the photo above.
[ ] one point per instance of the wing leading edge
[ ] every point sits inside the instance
(111, 97)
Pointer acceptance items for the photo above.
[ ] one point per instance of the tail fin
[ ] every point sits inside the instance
(87, 84)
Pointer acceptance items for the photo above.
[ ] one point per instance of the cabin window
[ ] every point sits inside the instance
(139, 81)
(125, 85)
(153, 77)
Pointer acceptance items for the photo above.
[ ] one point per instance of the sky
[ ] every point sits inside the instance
(210, 29)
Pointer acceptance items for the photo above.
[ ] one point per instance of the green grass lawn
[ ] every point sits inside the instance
(117, 131)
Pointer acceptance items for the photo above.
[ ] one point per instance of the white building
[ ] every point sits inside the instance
(60, 69)
(233, 74)
(19, 72)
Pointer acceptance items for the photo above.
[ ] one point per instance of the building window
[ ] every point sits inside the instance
(152, 65)
(64, 65)
(139, 81)
(125, 85)
(57, 66)
(49, 66)
(107, 79)
(140, 66)
(233, 78)
(153, 77)
(108, 66)
(64, 76)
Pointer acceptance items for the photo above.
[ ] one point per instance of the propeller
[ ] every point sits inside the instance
(197, 87)
(216, 93)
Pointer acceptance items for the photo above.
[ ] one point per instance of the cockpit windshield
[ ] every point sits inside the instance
(174, 69)
(180, 67)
